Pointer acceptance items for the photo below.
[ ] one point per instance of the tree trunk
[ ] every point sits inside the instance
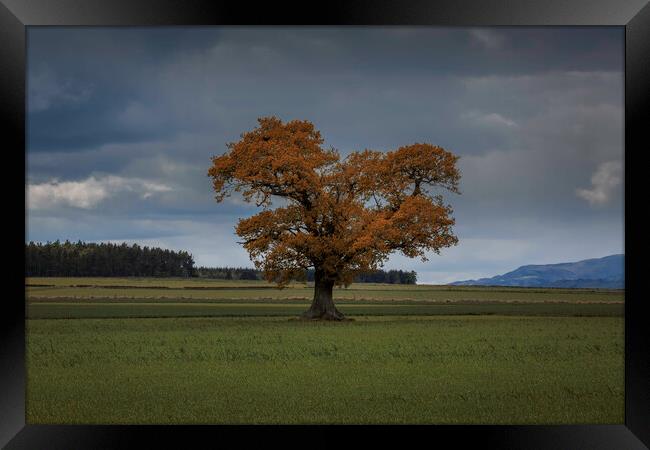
(322, 307)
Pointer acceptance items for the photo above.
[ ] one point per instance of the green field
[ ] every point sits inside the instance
(203, 351)
(205, 290)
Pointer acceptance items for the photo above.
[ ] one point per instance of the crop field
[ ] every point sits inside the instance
(206, 290)
(172, 351)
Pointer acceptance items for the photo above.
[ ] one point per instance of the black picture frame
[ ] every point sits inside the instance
(15, 15)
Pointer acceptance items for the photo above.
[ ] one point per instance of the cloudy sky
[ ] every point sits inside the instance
(122, 123)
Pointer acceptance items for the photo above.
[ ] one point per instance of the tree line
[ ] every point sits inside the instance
(229, 273)
(244, 273)
(390, 276)
(81, 259)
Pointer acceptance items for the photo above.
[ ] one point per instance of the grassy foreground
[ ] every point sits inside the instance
(469, 369)
(125, 351)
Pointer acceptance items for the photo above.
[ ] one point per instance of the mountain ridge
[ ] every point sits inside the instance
(605, 272)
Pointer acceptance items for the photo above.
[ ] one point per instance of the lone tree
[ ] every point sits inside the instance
(340, 217)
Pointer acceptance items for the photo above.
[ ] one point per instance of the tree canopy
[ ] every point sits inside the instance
(339, 216)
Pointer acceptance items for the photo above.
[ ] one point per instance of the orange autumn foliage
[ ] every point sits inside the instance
(339, 216)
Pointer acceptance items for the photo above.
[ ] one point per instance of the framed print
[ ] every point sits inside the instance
(244, 220)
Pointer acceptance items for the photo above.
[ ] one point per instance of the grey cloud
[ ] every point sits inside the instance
(46, 90)
(148, 69)
(488, 38)
(532, 112)
(604, 182)
(88, 193)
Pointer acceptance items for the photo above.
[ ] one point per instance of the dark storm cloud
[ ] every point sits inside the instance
(86, 84)
(122, 123)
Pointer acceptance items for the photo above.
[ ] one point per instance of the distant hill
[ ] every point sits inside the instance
(607, 272)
